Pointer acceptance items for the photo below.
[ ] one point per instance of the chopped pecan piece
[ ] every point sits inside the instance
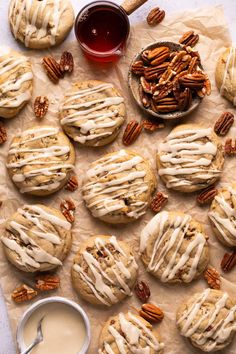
(155, 16)
(230, 148)
(3, 134)
(150, 125)
(189, 39)
(207, 195)
(52, 69)
(158, 201)
(151, 313)
(41, 104)
(67, 208)
(23, 293)
(224, 123)
(138, 67)
(66, 62)
(142, 291)
(131, 133)
(213, 278)
(72, 184)
(228, 261)
(46, 282)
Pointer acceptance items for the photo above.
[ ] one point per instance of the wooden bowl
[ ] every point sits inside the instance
(133, 81)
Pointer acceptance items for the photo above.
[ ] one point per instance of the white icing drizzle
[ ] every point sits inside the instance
(227, 222)
(39, 156)
(230, 60)
(89, 116)
(12, 80)
(137, 339)
(181, 150)
(160, 226)
(101, 284)
(104, 193)
(30, 252)
(33, 10)
(213, 332)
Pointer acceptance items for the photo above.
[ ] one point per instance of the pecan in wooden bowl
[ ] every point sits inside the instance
(167, 80)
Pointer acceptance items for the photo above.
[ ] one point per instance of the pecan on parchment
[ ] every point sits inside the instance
(151, 313)
(41, 105)
(72, 184)
(3, 134)
(189, 39)
(52, 69)
(142, 291)
(224, 123)
(207, 195)
(212, 277)
(46, 282)
(67, 208)
(158, 201)
(228, 261)
(23, 293)
(66, 62)
(132, 132)
(155, 16)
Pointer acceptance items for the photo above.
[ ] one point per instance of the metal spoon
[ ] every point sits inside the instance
(38, 339)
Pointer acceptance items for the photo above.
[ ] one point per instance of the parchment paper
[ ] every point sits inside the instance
(214, 37)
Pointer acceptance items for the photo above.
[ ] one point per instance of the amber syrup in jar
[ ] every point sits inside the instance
(102, 29)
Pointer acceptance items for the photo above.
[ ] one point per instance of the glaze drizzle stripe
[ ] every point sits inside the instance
(101, 284)
(170, 236)
(103, 182)
(218, 332)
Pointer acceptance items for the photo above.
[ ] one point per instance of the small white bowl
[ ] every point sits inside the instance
(54, 299)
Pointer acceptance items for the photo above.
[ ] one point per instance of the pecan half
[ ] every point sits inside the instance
(138, 67)
(144, 97)
(52, 69)
(131, 133)
(66, 62)
(154, 72)
(72, 184)
(207, 195)
(230, 148)
(147, 86)
(3, 134)
(189, 39)
(213, 278)
(185, 99)
(167, 104)
(67, 208)
(151, 313)
(228, 262)
(46, 282)
(224, 123)
(23, 293)
(193, 81)
(158, 55)
(155, 16)
(142, 291)
(151, 126)
(41, 105)
(158, 201)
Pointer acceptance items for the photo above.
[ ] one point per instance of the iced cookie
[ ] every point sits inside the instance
(104, 270)
(16, 82)
(174, 247)
(208, 320)
(190, 158)
(37, 238)
(223, 215)
(92, 113)
(40, 160)
(118, 187)
(128, 333)
(40, 24)
(225, 74)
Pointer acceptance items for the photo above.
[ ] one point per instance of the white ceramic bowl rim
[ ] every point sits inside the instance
(36, 305)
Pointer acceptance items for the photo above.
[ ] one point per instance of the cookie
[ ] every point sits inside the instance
(92, 113)
(40, 160)
(118, 187)
(129, 333)
(173, 247)
(40, 24)
(104, 270)
(208, 320)
(190, 158)
(225, 74)
(222, 215)
(16, 82)
(37, 238)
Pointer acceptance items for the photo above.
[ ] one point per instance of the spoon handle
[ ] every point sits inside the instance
(131, 5)
(30, 347)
